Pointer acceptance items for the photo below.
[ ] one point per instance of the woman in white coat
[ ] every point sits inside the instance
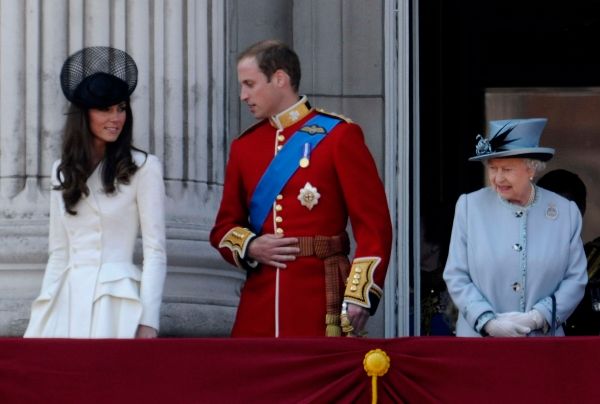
(103, 191)
(516, 264)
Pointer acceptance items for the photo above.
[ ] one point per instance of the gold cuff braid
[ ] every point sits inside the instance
(237, 240)
(361, 281)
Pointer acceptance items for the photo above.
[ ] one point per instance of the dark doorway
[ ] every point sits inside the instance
(465, 48)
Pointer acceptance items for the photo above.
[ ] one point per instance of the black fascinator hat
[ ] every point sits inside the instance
(98, 77)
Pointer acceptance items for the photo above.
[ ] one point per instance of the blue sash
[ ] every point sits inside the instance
(284, 165)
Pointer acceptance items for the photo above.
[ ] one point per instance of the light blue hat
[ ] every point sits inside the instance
(513, 137)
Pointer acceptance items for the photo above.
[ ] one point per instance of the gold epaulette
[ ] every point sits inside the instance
(333, 114)
(251, 127)
(360, 281)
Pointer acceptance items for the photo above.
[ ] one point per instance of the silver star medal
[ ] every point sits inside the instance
(309, 196)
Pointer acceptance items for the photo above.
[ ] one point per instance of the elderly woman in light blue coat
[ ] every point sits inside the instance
(516, 264)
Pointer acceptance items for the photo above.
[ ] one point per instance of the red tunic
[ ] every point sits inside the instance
(344, 174)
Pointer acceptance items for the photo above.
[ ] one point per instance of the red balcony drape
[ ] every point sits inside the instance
(320, 370)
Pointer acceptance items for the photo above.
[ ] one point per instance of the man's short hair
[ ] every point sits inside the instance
(272, 55)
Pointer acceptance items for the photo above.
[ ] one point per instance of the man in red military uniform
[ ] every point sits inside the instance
(292, 181)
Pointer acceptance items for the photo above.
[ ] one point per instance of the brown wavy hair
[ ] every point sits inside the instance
(76, 159)
(272, 55)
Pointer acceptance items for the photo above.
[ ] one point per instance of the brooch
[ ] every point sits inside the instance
(551, 212)
(483, 146)
(309, 196)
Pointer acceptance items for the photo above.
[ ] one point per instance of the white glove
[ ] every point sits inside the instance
(502, 327)
(533, 319)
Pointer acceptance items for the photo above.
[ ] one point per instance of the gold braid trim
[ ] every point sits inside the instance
(335, 115)
(360, 281)
(237, 240)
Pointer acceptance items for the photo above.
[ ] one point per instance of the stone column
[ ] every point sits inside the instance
(179, 116)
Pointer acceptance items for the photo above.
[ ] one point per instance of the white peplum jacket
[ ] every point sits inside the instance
(91, 287)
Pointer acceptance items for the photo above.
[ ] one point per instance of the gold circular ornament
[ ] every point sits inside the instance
(376, 362)
(304, 162)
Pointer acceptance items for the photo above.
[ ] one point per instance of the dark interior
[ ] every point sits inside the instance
(465, 47)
